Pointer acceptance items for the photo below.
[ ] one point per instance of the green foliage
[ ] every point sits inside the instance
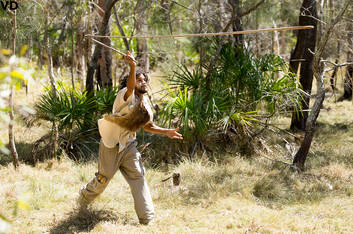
(189, 110)
(73, 108)
(76, 115)
(104, 100)
(68, 107)
(241, 89)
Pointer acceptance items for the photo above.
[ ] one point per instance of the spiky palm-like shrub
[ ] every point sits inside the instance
(76, 115)
(241, 89)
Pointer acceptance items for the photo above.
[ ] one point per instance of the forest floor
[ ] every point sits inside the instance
(233, 195)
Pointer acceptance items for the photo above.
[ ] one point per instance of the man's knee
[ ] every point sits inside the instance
(96, 185)
(102, 179)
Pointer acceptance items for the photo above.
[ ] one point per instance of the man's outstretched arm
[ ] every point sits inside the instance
(171, 133)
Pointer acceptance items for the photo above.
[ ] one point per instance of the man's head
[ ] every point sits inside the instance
(141, 83)
(142, 80)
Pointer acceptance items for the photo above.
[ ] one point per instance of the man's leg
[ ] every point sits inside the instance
(108, 164)
(133, 171)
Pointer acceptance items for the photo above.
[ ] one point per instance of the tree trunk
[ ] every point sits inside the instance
(333, 78)
(104, 69)
(276, 43)
(12, 145)
(121, 30)
(72, 52)
(80, 51)
(237, 24)
(305, 45)
(40, 51)
(52, 79)
(87, 44)
(301, 155)
(142, 28)
(220, 12)
(201, 23)
(50, 60)
(167, 6)
(103, 30)
(348, 80)
(347, 94)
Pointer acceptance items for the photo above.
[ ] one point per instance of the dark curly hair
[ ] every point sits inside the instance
(123, 80)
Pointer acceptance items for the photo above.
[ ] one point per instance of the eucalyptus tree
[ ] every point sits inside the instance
(103, 30)
(348, 80)
(319, 74)
(11, 123)
(142, 10)
(306, 41)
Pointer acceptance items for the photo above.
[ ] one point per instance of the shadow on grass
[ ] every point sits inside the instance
(25, 155)
(24, 151)
(85, 222)
(281, 188)
(334, 128)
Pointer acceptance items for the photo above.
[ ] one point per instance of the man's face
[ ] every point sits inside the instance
(141, 84)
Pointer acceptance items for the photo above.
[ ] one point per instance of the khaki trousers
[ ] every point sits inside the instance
(130, 164)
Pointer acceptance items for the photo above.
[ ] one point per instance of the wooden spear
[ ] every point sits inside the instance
(213, 34)
(199, 35)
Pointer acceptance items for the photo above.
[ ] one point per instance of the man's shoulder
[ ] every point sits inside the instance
(120, 94)
(122, 91)
(119, 102)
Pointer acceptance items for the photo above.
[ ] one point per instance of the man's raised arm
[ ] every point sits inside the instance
(131, 81)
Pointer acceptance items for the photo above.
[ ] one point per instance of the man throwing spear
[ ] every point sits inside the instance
(117, 149)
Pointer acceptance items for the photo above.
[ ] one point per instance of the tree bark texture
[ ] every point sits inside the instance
(80, 51)
(103, 30)
(73, 54)
(55, 131)
(121, 30)
(104, 69)
(301, 155)
(305, 46)
(12, 145)
(167, 6)
(318, 67)
(201, 26)
(348, 80)
(142, 29)
(220, 13)
(237, 24)
(333, 77)
(50, 60)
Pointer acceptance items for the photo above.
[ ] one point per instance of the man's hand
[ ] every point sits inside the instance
(129, 58)
(173, 134)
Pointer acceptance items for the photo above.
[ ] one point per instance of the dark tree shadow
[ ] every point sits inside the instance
(24, 154)
(86, 221)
